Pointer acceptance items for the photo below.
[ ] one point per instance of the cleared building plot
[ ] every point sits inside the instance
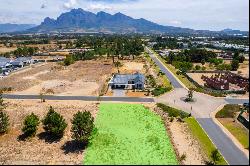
(81, 78)
(129, 134)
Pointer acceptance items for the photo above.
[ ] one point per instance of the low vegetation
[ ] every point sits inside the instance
(227, 117)
(228, 111)
(129, 134)
(172, 112)
(4, 118)
(82, 126)
(30, 125)
(4, 122)
(158, 89)
(207, 146)
(54, 123)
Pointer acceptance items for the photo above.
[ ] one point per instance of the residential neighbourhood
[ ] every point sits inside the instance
(96, 86)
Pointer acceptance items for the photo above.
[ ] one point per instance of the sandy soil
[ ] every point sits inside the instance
(197, 77)
(81, 78)
(132, 67)
(39, 150)
(244, 69)
(7, 49)
(186, 144)
(182, 140)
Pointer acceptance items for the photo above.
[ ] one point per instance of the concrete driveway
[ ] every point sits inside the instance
(119, 93)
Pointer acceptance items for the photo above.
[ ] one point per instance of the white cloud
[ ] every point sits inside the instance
(98, 7)
(175, 22)
(70, 4)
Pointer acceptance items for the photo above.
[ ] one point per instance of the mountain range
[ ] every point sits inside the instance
(6, 28)
(81, 21)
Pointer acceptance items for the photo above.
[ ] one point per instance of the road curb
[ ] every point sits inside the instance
(234, 140)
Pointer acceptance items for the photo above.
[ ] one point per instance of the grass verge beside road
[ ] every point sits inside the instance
(129, 134)
(182, 78)
(227, 117)
(205, 143)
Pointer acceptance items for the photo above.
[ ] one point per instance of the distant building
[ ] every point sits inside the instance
(127, 81)
(22, 61)
(5, 65)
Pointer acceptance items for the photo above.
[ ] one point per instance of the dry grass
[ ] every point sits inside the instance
(81, 78)
(40, 150)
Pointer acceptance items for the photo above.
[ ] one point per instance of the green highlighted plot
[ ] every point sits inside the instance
(129, 134)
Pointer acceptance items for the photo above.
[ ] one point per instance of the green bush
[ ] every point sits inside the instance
(197, 67)
(68, 60)
(215, 155)
(31, 123)
(172, 112)
(151, 80)
(160, 90)
(4, 122)
(229, 111)
(82, 126)
(54, 123)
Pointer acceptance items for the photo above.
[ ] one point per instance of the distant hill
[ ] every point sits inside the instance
(78, 20)
(6, 28)
(234, 32)
(81, 21)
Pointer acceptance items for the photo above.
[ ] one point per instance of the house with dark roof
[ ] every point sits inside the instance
(5, 65)
(127, 81)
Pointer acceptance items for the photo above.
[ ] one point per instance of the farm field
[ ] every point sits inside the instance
(129, 134)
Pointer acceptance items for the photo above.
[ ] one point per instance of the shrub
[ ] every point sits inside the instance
(171, 119)
(215, 155)
(4, 122)
(160, 90)
(183, 157)
(82, 126)
(31, 123)
(54, 123)
(172, 112)
(229, 111)
(197, 67)
(68, 61)
(235, 65)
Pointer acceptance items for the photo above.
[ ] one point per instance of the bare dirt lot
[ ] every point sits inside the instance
(81, 78)
(7, 49)
(39, 150)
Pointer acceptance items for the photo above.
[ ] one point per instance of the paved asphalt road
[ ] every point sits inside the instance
(229, 150)
(171, 78)
(201, 110)
(84, 98)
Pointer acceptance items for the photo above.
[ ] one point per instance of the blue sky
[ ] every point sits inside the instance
(197, 14)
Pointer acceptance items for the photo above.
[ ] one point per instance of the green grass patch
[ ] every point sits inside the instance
(172, 112)
(228, 111)
(238, 131)
(206, 144)
(129, 134)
